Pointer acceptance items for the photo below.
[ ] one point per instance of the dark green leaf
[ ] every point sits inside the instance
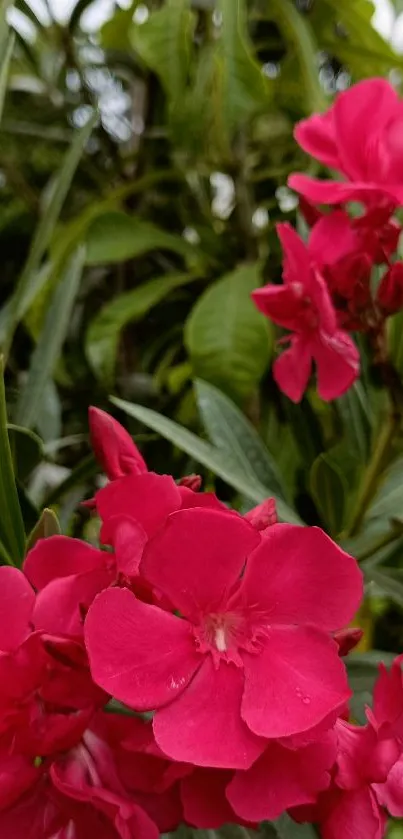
(26, 450)
(46, 353)
(298, 33)
(228, 340)
(234, 434)
(329, 492)
(102, 338)
(12, 534)
(44, 232)
(356, 413)
(389, 581)
(206, 454)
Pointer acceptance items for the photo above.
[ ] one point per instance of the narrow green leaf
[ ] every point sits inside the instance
(389, 581)
(232, 433)
(4, 70)
(116, 236)
(244, 87)
(12, 534)
(206, 454)
(228, 340)
(329, 492)
(45, 230)
(299, 34)
(79, 476)
(48, 525)
(26, 450)
(103, 335)
(356, 413)
(46, 353)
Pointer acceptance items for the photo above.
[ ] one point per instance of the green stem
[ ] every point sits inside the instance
(371, 475)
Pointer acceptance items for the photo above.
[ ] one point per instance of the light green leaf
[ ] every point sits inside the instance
(44, 232)
(163, 42)
(228, 340)
(116, 236)
(388, 502)
(244, 87)
(47, 525)
(329, 492)
(232, 433)
(104, 331)
(206, 454)
(12, 536)
(46, 353)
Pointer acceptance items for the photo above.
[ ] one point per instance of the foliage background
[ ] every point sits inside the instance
(142, 171)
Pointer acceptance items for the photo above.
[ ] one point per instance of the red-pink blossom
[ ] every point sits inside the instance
(390, 291)
(208, 668)
(367, 152)
(303, 305)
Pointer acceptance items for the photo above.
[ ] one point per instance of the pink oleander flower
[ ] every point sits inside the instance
(367, 152)
(387, 717)
(46, 692)
(303, 305)
(75, 795)
(247, 648)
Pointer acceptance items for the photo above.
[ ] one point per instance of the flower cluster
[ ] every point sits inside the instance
(347, 276)
(122, 667)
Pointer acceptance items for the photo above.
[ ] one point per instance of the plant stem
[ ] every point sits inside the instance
(371, 475)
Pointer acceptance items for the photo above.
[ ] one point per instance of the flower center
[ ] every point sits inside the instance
(220, 640)
(225, 635)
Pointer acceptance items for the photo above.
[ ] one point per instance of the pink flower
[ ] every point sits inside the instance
(387, 718)
(366, 151)
(390, 291)
(250, 606)
(303, 305)
(46, 694)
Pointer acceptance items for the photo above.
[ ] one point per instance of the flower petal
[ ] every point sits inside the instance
(316, 135)
(339, 192)
(60, 556)
(191, 729)
(128, 539)
(113, 447)
(355, 815)
(197, 557)
(282, 778)
(338, 363)
(17, 600)
(301, 576)
(148, 497)
(294, 683)
(291, 371)
(140, 654)
(61, 605)
(205, 804)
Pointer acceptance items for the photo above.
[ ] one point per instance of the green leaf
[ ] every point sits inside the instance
(115, 33)
(244, 87)
(389, 581)
(12, 534)
(329, 492)
(116, 236)
(79, 476)
(287, 829)
(4, 69)
(388, 501)
(26, 450)
(44, 231)
(163, 42)
(206, 454)
(48, 525)
(299, 34)
(46, 353)
(362, 673)
(233, 434)
(228, 340)
(103, 335)
(356, 414)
